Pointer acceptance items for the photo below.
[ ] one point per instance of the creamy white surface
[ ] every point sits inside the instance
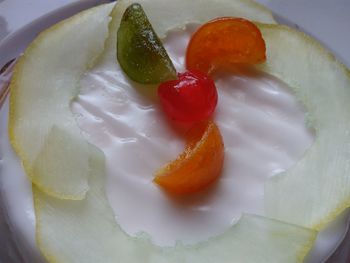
(260, 120)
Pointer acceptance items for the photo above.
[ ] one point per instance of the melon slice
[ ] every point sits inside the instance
(61, 165)
(44, 83)
(317, 188)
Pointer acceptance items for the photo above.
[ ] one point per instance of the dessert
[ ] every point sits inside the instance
(68, 213)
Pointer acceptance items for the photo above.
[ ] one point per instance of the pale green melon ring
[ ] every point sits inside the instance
(71, 230)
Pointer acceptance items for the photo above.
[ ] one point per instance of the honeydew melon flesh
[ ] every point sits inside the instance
(46, 81)
(317, 189)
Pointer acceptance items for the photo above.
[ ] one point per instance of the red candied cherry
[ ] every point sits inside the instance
(190, 98)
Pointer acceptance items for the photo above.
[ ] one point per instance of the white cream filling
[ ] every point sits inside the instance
(264, 133)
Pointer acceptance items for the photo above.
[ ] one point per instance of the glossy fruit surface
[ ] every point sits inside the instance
(192, 97)
(199, 164)
(139, 51)
(224, 42)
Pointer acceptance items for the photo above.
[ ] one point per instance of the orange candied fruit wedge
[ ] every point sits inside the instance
(224, 42)
(199, 165)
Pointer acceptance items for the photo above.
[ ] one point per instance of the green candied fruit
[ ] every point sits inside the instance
(139, 51)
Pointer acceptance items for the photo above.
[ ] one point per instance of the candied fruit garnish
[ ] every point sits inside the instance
(199, 165)
(190, 98)
(139, 51)
(224, 42)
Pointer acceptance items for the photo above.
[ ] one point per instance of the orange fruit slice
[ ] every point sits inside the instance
(223, 42)
(198, 165)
